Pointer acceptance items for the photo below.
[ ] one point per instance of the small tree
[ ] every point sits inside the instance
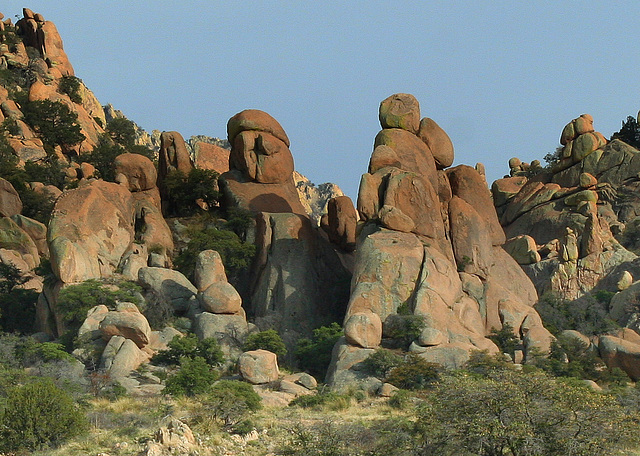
(195, 376)
(190, 347)
(122, 131)
(229, 401)
(55, 122)
(314, 355)
(505, 339)
(70, 85)
(413, 373)
(182, 190)
(266, 340)
(629, 132)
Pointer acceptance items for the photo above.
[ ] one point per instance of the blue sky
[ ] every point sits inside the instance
(501, 77)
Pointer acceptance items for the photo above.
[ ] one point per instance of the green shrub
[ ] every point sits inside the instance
(195, 376)
(229, 401)
(266, 340)
(629, 132)
(380, 362)
(10, 126)
(329, 400)
(314, 355)
(30, 352)
(481, 362)
(103, 157)
(70, 85)
(182, 191)
(405, 328)
(75, 300)
(414, 373)
(39, 414)
(56, 124)
(190, 347)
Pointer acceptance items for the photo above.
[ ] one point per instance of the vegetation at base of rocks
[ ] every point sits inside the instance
(183, 190)
(39, 414)
(74, 301)
(229, 402)
(266, 340)
(236, 255)
(413, 372)
(17, 305)
(510, 413)
(314, 355)
(629, 132)
(70, 85)
(505, 339)
(587, 314)
(381, 362)
(190, 346)
(9, 37)
(56, 124)
(194, 377)
(404, 327)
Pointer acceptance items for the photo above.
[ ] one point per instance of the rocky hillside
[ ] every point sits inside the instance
(160, 264)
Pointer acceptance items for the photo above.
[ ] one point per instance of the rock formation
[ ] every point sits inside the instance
(431, 245)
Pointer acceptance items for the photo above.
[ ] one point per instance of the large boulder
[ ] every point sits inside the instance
(438, 141)
(139, 171)
(127, 322)
(624, 354)
(121, 356)
(341, 222)
(229, 330)
(90, 228)
(363, 330)
(258, 366)
(170, 287)
(14, 238)
(211, 157)
(208, 270)
(10, 203)
(220, 298)
(400, 110)
(255, 120)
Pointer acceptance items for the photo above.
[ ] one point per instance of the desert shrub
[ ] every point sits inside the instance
(239, 221)
(266, 340)
(75, 300)
(414, 373)
(482, 363)
(505, 339)
(195, 376)
(509, 412)
(103, 156)
(56, 124)
(122, 131)
(585, 314)
(235, 254)
(405, 328)
(190, 347)
(30, 352)
(39, 414)
(10, 126)
(314, 355)
(70, 85)
(321, 400)
(182, 191)
(380, 362)
(11, 39)
(229, 401)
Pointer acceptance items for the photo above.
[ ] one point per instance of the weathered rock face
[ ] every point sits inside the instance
(261, 165)
(211, 156)
(341, 223)
(43, 36)
(87, 243)
(258, 366)
(10, 203)
(138, 170)
(435, 250)
(314, 198)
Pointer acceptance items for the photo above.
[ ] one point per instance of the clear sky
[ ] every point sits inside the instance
(501, 77)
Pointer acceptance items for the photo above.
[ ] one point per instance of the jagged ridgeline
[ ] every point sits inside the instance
(127, 239)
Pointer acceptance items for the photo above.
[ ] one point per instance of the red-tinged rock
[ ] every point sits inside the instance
(211, 157)
(506, 188)
(470, 237)
(413, 154)
(342, 220)
(400, 110)
(467, 184)
(259, 366)
(262, 157)
(438, 141)
(139, 170)
(255, 120)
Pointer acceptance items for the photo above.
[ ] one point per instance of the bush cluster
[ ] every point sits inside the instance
(266, 340)
(190, 346)
(70, 85)
(314, 355)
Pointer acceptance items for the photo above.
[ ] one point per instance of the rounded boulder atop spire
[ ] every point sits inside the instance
(255, 120)
(400, 110)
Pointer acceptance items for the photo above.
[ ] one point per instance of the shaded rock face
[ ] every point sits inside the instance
(299, 281)
(10, 203)
(431, 244)
(260, 178)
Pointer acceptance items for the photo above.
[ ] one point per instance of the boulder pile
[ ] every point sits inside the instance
(430, 245)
